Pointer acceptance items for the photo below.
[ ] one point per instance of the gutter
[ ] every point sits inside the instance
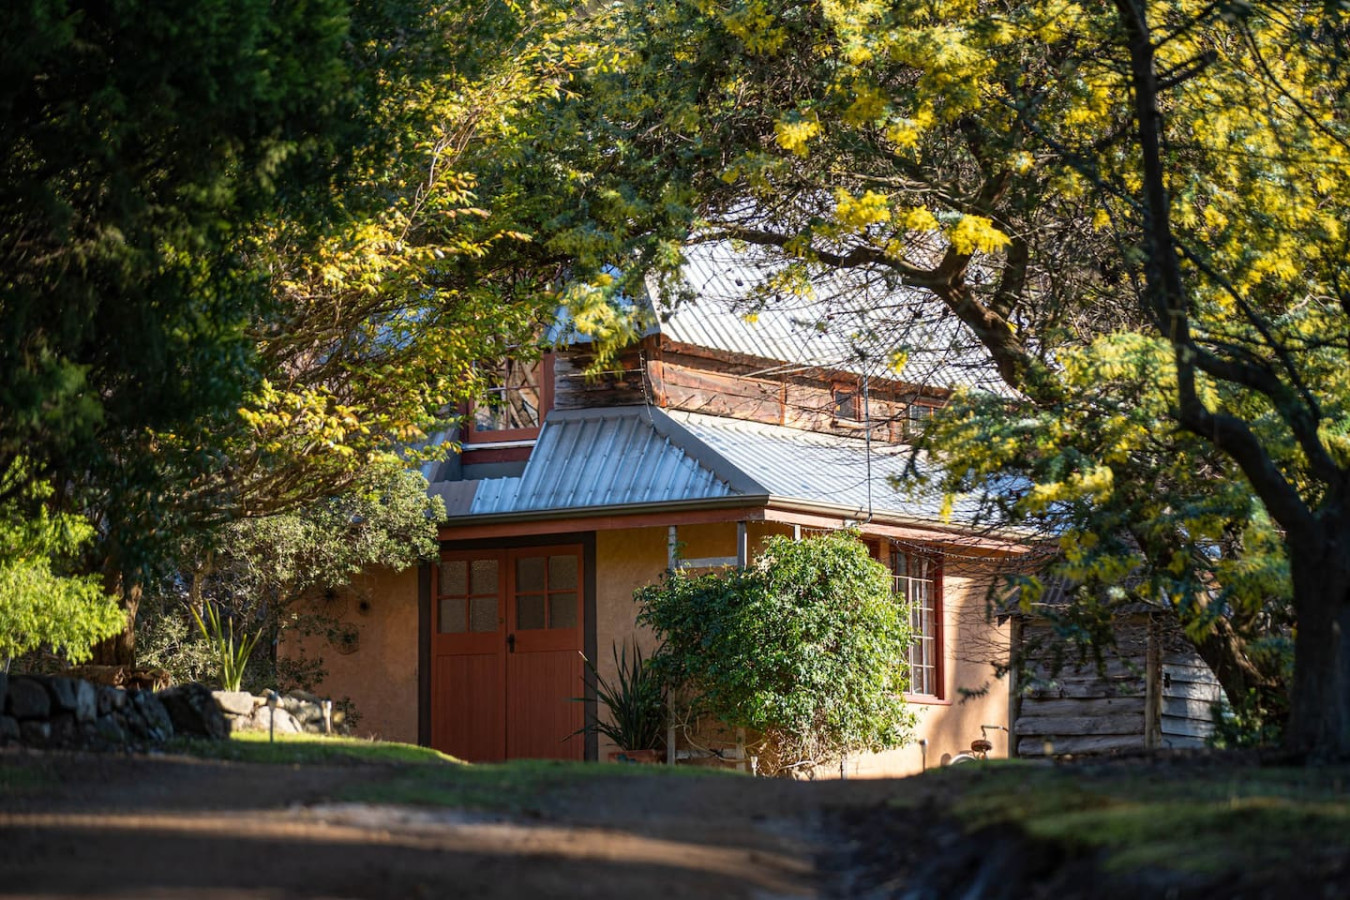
(881, 517)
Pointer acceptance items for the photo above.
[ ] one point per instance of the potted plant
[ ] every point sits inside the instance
(634, 715)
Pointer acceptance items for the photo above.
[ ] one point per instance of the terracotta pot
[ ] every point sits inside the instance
(644, 757)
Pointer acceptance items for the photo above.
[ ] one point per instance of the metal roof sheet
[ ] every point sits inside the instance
(850, 320)
(827, 469)
(617, 456)
(641, 456)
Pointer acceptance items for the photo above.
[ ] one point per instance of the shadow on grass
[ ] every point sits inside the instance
(1205, 820)
(420, 776)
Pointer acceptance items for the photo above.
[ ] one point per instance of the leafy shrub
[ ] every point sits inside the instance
(40, 606)
(808, 648)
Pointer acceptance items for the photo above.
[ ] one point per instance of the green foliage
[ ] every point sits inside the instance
(39, 607)
(257, 572)
(635, 703)
(228, 658)
(1248, 723)
(807, 647)
(140, 151)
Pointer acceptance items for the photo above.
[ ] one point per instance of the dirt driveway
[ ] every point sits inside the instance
(76, 825)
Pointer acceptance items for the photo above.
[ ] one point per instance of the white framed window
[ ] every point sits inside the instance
(918, 585)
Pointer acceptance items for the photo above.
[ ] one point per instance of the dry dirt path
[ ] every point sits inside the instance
(87, 826)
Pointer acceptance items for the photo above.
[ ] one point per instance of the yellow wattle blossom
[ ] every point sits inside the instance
(976, 233)
(755, 26)
(869, 104)
(858, 213)
(793, 135)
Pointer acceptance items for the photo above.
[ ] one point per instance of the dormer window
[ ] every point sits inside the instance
(518, 396)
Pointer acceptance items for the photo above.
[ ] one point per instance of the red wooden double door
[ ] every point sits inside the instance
(506, 650)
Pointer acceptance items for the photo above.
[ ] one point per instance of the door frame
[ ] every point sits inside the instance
(425, 621)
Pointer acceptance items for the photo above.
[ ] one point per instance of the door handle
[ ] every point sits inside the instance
(511, 643)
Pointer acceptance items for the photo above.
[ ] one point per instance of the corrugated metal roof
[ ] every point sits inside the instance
(641, 456)
(851, 320)
(599, 458)
(824, 468)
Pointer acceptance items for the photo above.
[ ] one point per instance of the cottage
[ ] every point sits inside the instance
(714, 431)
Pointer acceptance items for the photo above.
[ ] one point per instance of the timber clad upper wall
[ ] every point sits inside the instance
(735, 389)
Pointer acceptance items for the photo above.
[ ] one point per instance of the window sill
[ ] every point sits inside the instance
(927, 700)
(469, 446)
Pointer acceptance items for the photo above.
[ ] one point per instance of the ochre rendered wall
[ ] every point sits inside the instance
(970, 646)
(627, 560)
(380, 675)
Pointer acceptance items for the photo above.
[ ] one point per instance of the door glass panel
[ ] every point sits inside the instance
(529, 611)
(454, 577)
(530, 575)
(562, 573)
(562, 610)
(483, 614)
(484, 576)
(451, 620)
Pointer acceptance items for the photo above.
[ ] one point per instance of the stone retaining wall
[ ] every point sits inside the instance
(296, 711)
(54, 711)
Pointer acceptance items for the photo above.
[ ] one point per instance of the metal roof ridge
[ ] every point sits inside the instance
(722, 468)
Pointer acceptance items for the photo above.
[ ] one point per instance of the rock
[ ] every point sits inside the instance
(308, 714)
(110, 732)
(305, 696)
(28, 699)
(157, 726)
(86, 701)
(63, 692)
(235, 703)
(64, 731)
(285, 722)
(110, 699)
(194, 712)
(34, 731)
(9, 729)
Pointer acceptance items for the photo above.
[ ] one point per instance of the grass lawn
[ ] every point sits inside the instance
(1200, 818)
(421, 776)
(309, 749)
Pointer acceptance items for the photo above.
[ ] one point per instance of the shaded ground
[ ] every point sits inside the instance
(76, 825)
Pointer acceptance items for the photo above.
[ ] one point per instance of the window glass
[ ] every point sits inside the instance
(562, 610)
(529, 611)
(846, 404)
(513, 398)
(454, 577)
(916, 586)
(483, 614)
(530, 574)
(562, 573)
(451, 616)
(485, 576)
(917, 417)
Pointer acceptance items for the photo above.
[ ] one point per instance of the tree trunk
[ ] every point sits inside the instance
(120, 649)
(1225, 652)
(1319, 717)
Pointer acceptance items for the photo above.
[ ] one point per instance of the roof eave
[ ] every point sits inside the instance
(618, 509)
(887, 517)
